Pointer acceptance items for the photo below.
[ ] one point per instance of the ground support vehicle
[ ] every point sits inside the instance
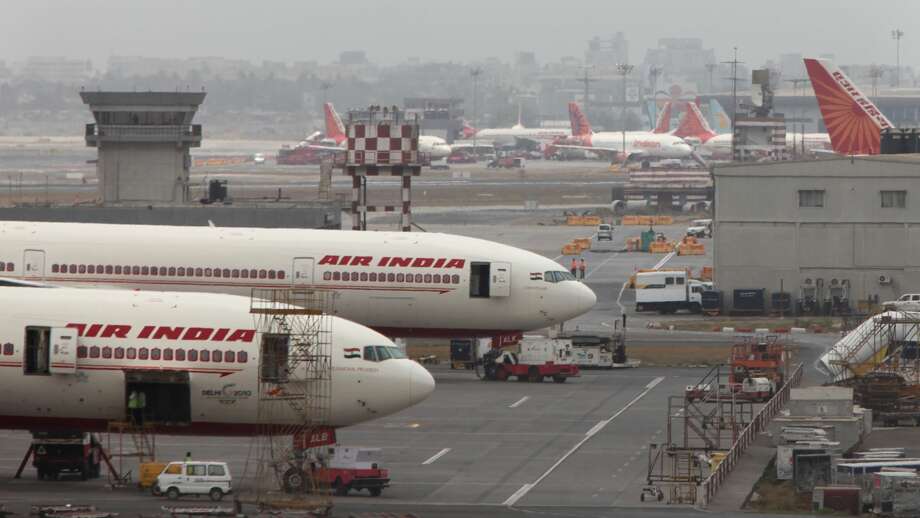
(68, 452)
(668, 291)
(536, 358)
(197, 478)
(352, 469)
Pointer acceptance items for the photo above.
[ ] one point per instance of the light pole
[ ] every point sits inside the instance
(624, 69)
(475, 73)
(653, 74)
(896, 35)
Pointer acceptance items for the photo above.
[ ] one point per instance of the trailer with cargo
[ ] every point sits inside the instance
(598, 351)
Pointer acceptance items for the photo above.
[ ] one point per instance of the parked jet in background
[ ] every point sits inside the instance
(639, 145)
(336, 138)
(853, 121)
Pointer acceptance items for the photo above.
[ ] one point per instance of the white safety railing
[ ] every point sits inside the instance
(707, 490)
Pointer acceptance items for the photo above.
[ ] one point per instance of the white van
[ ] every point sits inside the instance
(194, 478)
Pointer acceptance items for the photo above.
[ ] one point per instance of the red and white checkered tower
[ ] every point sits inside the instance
(379, 143)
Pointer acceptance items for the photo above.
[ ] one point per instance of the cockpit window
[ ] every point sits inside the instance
(558, 276)
(379, 353)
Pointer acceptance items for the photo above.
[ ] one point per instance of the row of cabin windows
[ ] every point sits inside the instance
(164, 271)
(427, 278)
(156, 354)
(7, 267)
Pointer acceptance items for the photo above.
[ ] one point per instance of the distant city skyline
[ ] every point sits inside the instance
(392, 31)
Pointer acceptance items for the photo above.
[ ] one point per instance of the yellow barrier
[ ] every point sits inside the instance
(660, 247)
(647, 220)
(583, 242)
(706, 273)
(691, 249)
(583, 220)
(149, 472)
(570, 249)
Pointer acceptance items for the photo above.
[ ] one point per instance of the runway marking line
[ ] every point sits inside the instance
(519, 402)
(436, 456)
(520, 493)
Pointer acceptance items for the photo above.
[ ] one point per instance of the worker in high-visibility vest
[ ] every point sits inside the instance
(582, 266)
(134, 406)
(574, 268)
(137, 401)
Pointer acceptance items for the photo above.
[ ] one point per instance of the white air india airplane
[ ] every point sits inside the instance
(70, 357)
(336, 139)
(401, 284)
(639, 145)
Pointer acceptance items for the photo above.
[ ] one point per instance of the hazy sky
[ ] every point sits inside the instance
(390, 30)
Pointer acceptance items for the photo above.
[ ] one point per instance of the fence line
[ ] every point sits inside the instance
(707, 490)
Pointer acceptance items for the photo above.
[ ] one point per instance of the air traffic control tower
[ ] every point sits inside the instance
(143, 141)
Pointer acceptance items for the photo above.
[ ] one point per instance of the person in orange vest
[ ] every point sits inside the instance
(574, 268)
(582, 266)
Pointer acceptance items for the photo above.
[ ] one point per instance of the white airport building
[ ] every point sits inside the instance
(842, 227)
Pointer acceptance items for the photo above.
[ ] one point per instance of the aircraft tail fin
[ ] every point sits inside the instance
(693, 124)
(468, 131)
(852, 120)
(578, 120)
(718, 117)
(663, 124)
(334, 127)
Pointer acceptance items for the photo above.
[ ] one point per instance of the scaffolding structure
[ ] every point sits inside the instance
(294, 401)
(704, 421)
(124, 440)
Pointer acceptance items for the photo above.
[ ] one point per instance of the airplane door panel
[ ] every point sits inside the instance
(33, 264)
(63, 350)
(501, 280)
(303, 272)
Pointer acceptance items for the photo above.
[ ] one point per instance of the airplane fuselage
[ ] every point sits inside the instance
(196, 355)
(402, 284)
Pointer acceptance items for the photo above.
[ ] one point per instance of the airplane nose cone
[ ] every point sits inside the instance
(421, 384)
(585, 299)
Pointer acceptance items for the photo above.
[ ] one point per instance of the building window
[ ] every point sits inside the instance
(894, 199)
(811, 198)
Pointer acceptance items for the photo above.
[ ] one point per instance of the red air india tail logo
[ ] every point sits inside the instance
(663, 124)
(694, 125)
(580, 125)
(853, 121)
(334, 127)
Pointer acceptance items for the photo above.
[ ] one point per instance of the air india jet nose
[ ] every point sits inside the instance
(581, 299)
(421, 383)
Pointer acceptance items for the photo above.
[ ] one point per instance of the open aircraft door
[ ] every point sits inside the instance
(501, 280)
(303, 272)
(63, 350)
(33, 264)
